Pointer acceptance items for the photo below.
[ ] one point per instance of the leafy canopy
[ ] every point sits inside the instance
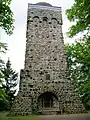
(6, 23)
(80, 14)
(78, 59)
(6, 16)
(78, 54)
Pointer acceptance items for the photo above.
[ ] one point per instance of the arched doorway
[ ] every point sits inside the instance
(48, 103)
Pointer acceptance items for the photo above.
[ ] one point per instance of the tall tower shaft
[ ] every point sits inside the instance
(44, 86)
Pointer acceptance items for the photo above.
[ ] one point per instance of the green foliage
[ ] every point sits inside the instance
(4, 116)
(6, 20)
(78, 58)
(3, 95)
(80, 14)
(78, 54)
(4, 103)
(6, 16)
(3, 47)
(10, 81)
(2, 91)
(6, 23)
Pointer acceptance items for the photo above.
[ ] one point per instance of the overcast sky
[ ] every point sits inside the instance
(16, 42)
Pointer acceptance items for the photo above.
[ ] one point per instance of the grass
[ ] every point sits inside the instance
(3, 116)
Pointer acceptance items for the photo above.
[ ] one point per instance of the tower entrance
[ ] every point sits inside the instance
(48, 103)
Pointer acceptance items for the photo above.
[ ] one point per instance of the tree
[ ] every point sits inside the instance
(79, 52)
(10, 81)
(3, 100)
(6, 16)
(6, 19)
(78, 59)
(79, 13)
(6, 23)
(2, 91)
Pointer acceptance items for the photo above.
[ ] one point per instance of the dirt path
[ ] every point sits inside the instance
(65, 117)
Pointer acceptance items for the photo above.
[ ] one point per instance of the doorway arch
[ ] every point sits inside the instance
(48, 101)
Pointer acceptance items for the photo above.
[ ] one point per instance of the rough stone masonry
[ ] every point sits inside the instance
(44, 84)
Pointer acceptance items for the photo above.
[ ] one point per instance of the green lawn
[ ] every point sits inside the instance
(3, 116)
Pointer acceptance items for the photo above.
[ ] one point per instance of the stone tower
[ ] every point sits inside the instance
(44, 85)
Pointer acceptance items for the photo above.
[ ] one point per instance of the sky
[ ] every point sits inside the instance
(17, 41)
